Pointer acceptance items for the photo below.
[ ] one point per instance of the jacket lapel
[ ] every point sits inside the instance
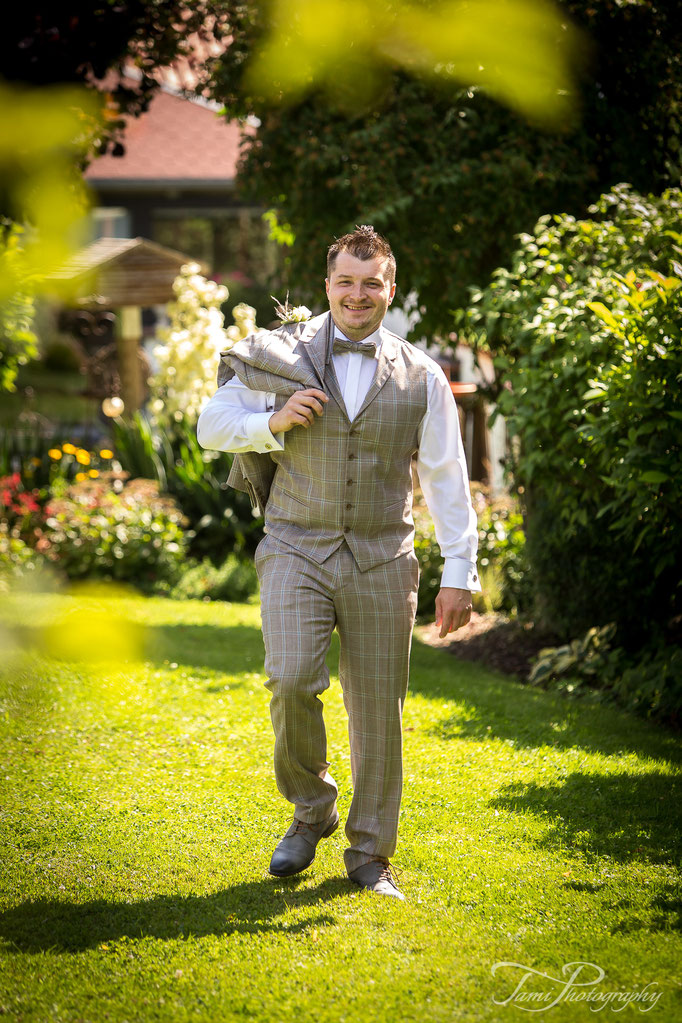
(319, 352)
(385, 366)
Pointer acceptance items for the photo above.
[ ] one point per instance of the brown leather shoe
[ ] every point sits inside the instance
(376, 876)
(296, 850)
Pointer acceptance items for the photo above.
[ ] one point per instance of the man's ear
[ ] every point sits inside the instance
(326, 286)
(390, 297)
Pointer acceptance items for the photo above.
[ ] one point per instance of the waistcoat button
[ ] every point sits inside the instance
(348, 482)
(351, 455)
(348, 507)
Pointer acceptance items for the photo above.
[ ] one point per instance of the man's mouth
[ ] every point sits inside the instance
(357, 308)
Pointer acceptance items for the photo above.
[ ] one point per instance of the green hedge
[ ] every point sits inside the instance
(586, 327)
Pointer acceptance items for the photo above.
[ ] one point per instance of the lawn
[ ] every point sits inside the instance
(139, 813)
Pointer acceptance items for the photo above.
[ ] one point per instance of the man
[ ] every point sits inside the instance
(325, 417)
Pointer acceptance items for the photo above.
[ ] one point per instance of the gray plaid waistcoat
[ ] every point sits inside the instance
(336, 479)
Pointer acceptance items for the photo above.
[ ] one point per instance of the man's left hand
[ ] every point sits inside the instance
(453, 609)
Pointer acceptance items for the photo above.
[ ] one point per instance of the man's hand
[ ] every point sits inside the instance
(453, 609)
(298, 411)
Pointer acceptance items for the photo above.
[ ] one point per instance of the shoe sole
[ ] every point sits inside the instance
(291, 873)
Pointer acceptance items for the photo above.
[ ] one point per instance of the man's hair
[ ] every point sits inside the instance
(363, 243)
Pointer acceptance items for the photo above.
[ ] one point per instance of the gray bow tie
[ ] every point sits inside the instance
(363, 347)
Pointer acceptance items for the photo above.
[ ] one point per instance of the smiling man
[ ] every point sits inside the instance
(325, 418)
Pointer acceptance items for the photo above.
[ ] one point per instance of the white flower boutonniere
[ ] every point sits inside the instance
(290, 313)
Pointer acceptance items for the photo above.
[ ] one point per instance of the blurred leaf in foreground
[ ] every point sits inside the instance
(45, 137)
(520, 51)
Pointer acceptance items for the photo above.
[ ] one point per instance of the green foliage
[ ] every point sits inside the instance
(652, 685)
(220, 517)
(52, 43)
(449, 175)
(17, 558)
(234, 580)
(430, 561)
(585, 325)
(648, 683)
(633, 414)
(583, 661)
(105, 528)
(502, 554)
(18, 343)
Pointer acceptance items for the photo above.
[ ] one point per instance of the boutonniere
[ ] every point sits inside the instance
(290, 313)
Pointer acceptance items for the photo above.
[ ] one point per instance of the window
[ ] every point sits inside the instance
(230, 242)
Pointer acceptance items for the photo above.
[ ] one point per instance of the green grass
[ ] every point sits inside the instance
(139, 814)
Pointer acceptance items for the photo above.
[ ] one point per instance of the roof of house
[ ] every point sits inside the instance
(178, 140)
(115, 272)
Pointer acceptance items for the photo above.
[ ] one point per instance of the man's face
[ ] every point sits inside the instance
(359, 294)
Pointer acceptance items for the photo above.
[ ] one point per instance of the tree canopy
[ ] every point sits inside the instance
(81, 43)
(448, 173)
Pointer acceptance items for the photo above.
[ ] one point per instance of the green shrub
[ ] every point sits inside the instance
(587, 330)
(18, 342)
(17, 559)
(107, 528)
(501, 561)
(430, 561)
(648, 682)
(219, 517)
(502, 554)
(235, 580)
(652, 684)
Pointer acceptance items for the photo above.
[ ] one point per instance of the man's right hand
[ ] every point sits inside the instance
(298, 411)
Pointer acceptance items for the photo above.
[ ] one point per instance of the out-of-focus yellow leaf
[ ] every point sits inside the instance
(520, 51)
(87, 631)
(44, 134)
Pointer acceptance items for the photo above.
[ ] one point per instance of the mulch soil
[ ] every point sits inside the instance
(493, 640)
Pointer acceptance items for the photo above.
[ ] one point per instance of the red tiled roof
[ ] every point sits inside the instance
(176, 139)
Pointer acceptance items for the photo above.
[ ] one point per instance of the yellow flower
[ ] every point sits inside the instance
(106, 453)
(55, 453)
(35, 461)
(93, 473)
(80, 476)
(69, 449)
(82, 457)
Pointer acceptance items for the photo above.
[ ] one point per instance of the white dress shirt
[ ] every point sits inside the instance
(237, 419)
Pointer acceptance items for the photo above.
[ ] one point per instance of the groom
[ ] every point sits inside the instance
(325, 417)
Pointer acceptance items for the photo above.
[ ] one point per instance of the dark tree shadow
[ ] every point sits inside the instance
(233, 649)
(503, 708)
(623, 816)
(251, 907)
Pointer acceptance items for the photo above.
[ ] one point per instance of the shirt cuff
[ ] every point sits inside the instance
(259, 435)
(461, 574)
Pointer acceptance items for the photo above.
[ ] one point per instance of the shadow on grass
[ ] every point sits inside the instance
(623, 816)
(496, 707)
(248, 908)
(232, 649)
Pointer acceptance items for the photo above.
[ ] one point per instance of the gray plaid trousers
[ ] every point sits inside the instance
(373, 611)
